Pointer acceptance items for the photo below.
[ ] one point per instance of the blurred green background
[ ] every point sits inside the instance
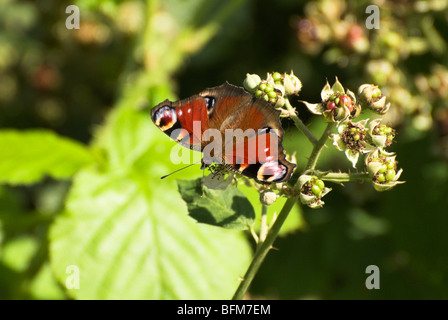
(80, 161)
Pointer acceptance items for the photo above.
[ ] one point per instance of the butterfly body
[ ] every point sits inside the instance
(230, 127)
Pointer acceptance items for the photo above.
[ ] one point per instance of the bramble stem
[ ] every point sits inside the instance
(263, 224)
(263, 248)
(339, 177)
(299, 124)
(312, 161)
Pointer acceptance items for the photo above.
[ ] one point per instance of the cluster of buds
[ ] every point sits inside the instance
(312, 189)
(381, 134)
(337, 103)
(359, 138)
(340, 106)
(352, 138)
(330, 23)
(382, 167)
(274, 88)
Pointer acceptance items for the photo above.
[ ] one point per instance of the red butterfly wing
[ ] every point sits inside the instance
(249, 129)
(252, 134)
(184, 121)
(260, 156)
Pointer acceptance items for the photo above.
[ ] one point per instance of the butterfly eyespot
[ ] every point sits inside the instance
(165, 117)
(210, 101)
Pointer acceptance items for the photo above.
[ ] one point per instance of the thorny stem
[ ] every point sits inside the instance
(264, 246)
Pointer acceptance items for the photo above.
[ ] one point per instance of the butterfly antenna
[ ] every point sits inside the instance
(180, 170)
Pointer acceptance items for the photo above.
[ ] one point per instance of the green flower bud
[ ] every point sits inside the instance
(381, 167)
(390, 174)
(337, 105)
(312, 190)
(320, 184)
(272, 94)
(376, 93)
(268, 197)
(382, 135)
(269, 87)
(292, 84)
(352, 139)
(380, 178)
(370, 97)
(251, 82)
(276, 76)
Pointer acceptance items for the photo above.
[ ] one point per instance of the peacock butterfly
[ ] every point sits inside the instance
(229, 127)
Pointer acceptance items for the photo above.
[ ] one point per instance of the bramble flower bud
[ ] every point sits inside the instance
(292, 84)
(370, 96)
(251, 82)
(337, 105)
(382, 167)
(312, 189)
(268, 197)
(352, 139)
(270, 91)
(382, 135)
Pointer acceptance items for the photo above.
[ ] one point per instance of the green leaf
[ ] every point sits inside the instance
(28, 156)
(18, 252)
(133, 240)
(44, 286)
(129, 233)
(227, 208)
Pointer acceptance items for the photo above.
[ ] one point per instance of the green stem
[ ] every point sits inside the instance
(263, 224)
(264, 246)
(263, 249)
(344, 177)
(299, 124)
(312, 161)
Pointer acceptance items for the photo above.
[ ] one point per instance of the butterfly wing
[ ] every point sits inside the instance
(183, 121)
(252, 134)
(249, 129)
(261, 157)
